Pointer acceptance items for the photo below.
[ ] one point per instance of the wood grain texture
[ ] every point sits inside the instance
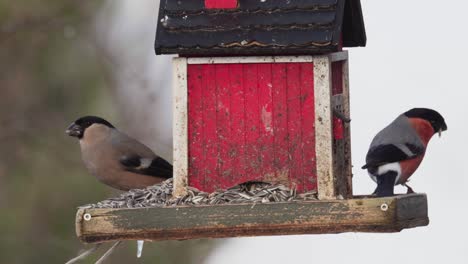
(256, 123)
(195, 128)
(293, 76)
(266, 126)
(180, 138)
(308, 126)
(280, 121)
(210, 146)
(311, 217)
(249, 59)
(237, 147)
(348, 167)
(323, 128)
(339, 56)
(339, 162)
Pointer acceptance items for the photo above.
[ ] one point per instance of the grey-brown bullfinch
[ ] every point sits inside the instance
(115, 158)
(396, 152)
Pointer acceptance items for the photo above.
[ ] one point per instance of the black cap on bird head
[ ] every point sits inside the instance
(77, 128)
(433, 117)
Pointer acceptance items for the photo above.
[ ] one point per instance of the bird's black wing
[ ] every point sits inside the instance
(157, 167)
(388, 153)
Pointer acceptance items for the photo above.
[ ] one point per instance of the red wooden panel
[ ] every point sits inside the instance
(338, 128)
(337, 77)
(266, 139)
(195, 126)
(209, 4)
(256, 123)
(308, 126)
(209, 129)
(280, 121)
(252, 121)
(223, 123)
(293, 73)
(237, 143)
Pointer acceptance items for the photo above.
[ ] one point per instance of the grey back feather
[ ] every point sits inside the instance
(129, 146)
(398, 133)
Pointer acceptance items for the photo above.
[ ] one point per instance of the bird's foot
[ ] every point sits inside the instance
(409, 189)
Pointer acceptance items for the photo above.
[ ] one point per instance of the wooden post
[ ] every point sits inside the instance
(323, 128)
(347, 112)
(180, 126)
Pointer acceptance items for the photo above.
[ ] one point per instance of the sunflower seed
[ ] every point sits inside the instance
(161, 195)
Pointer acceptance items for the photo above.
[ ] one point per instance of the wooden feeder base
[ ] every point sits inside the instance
(389, 214)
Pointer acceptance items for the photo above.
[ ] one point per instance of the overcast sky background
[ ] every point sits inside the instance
(415, 57)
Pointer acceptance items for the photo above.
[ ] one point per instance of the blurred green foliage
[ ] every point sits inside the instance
(52, 72)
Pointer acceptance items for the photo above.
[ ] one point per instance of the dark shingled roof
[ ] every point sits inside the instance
(259, 27)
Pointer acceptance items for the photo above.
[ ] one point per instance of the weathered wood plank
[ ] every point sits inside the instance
(237, 144)
(347, 128)
(210, 148)
(249, 59)
(266, 127)
(195, 126)
(280, 121)
(323, 128)
(180, 138)
(308, 127)
(389, 214)
(223, 124)
(252, 120)
(339, 56)
(293, 91)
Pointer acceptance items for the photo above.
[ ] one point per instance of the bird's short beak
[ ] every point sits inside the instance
(440, 132)
(74, 130)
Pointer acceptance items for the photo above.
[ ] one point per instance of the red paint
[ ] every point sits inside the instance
(220, 4)
(195, 128)
(210, 146)
(252, 157)
(294, 97)
(281, 161)
(223, 121)
(338, 128)
(237, 152)
(256, 122)
(265, 103)
(337, 77)
(308, 126)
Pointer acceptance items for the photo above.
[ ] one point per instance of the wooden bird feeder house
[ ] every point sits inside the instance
(261, 93)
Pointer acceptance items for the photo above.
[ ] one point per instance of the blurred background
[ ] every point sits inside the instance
(60, 60)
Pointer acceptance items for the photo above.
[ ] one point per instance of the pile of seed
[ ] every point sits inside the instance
(160, 195)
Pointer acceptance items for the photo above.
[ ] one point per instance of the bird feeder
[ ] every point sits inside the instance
(261, 93)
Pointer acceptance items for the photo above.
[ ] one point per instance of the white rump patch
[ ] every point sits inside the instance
(395, 166)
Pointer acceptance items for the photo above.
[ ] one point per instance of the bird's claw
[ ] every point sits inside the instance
(409, 189)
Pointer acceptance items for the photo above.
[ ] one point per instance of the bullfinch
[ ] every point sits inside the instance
(116, 159)
(396, 151)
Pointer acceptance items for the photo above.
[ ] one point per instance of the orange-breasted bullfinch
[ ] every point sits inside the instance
(396, 151)
(115, 158)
